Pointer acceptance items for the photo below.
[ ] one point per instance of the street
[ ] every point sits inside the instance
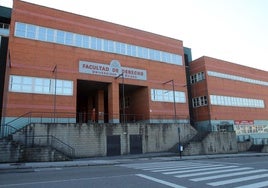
(251, 172)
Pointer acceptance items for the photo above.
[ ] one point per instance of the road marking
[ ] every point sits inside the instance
(228, 175)
(255, 185)
(216, 167)
(160, 181)
(182, 168)
(46, 169)
(236, 180)
(211, 172)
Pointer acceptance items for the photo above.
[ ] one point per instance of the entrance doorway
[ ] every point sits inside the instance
(92, 102)
(134, 103)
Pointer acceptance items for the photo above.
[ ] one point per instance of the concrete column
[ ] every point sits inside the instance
(113, 102)
(100, 103)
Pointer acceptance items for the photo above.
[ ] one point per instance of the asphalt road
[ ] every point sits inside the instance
(251, 172)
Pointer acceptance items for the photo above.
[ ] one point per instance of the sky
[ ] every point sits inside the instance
(231, 30)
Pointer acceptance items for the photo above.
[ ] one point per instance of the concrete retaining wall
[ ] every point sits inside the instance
(213, 143)
(90, 140)
(10, 151)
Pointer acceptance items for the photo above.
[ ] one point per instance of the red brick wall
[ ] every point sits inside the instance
(37, 59)
(225, 87)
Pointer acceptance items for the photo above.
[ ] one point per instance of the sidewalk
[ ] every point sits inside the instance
(120, 160)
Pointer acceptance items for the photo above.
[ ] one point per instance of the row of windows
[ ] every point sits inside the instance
(237, 78)
(236, 101)
(83, 41)
(167, 96)
(200, 101)
(197, 77)
(25, 84)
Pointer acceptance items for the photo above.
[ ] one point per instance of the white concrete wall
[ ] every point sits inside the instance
(90, 139)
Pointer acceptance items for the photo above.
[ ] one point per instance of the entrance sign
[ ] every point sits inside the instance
(244, 122)
(113, 69)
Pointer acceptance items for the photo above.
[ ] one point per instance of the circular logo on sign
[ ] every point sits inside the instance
(115, 67)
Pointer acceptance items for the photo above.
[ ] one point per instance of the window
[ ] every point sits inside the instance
(78, 40)
(197, 77)
(25, 84)
(199, 101)
(69, 39)
(60, 37)
(20, 30)
(167, 96)
(236, 101)
(50, 35)
(40, 33)
(237, 78)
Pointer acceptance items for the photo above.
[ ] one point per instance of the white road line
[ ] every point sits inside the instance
(236, 180)
(255, 185)
(182, 168)
(155, 164)
(228, 175)
(216, 167)
(171, 166)
(148, 167)
(160, 181)
(212, 172)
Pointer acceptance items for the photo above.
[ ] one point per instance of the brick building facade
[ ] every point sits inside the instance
(67, 65)
(70, 68)
(228, 96)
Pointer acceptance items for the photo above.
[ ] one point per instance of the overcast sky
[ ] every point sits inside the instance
(231, 30)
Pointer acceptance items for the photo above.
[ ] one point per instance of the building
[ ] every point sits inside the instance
(63, 67)
(228, 96)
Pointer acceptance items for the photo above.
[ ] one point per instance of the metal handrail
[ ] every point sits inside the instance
(52, 141)
(64, 117)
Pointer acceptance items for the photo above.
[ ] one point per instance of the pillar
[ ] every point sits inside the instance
(113, 102)
(100, 106)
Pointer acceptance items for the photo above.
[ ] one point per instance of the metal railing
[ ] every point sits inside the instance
(51, 141)
(22, 121)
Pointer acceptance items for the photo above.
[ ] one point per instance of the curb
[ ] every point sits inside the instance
(101, 162)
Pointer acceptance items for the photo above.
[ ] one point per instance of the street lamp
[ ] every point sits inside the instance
(175, 114)
(174, 102)
(55, 90)
(123, 94)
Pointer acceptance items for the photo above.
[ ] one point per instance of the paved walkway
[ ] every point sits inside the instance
(119, 160)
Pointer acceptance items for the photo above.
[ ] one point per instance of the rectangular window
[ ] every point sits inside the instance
(50, 35)
(197, 77)
(79, 40)
(86, 42)
(167, 96)
(69, 38)
(31, 31)
(236, 101)
(25, 84)
(40, 33)
(60, 37)
(20, 30)
(199, 101)
(111, 47)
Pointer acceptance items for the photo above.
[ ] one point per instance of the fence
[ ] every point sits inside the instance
(17, 123)
(49, 140)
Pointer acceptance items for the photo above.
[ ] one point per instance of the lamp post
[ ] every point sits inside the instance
(55, 91)
(175, 114)
(123, 94)
(174, 101)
